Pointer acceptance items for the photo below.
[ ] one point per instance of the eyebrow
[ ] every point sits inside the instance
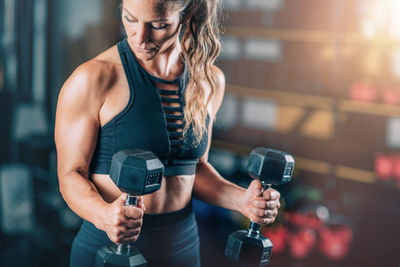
(157, 20)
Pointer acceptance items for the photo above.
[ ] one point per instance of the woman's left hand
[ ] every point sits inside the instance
(260, 208)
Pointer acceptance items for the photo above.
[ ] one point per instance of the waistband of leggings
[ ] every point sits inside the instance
(167, 218)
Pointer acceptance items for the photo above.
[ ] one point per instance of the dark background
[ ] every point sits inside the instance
(317, 79)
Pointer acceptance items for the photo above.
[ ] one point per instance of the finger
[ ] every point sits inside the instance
(266, 204)
(272, 213)
(257, 212)
(141, 203)
(128, 236)
(119, 219)
(133, 212)
(133, 223)
(262, 213)
(130, 239)
(262, 204)
(262, 221)
(271, 194)
(255, 187)
(265, 221)
(123, 231)
(273, 204)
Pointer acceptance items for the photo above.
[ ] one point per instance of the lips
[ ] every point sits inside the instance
(146, 50)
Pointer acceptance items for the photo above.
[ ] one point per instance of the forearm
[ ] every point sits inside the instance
(82, 197)
(212, 188)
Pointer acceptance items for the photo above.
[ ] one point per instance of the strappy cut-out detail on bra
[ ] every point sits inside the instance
(173, 118)
(153, 120)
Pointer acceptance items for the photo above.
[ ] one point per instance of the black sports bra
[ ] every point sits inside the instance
(152, 120)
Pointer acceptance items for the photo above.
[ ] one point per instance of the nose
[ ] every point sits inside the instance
(141, 34)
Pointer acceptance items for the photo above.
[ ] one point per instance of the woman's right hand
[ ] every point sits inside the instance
(123, 223)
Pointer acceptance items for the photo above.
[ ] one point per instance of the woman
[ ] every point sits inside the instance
(158, 90)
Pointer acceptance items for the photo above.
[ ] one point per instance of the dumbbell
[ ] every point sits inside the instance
(135, 172)
(269, 166)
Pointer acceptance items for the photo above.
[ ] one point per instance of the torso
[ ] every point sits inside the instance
(176, 191)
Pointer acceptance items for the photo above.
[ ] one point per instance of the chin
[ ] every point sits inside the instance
(145, 57)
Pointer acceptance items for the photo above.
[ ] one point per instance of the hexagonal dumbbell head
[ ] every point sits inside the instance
(270, 166)
(136, 172)
(107, 257)
(252, 250)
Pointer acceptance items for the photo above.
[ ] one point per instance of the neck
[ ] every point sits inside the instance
(166, 65)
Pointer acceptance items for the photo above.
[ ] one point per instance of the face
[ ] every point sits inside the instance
(151, 26)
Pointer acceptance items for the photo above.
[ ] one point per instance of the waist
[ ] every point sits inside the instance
(167, 218)
(172, 232)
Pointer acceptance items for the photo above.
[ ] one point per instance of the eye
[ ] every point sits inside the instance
(159, 26)
(128, 19)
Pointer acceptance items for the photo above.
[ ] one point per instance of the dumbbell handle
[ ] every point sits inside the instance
(125, 248)
(130, 200)
(254, 228)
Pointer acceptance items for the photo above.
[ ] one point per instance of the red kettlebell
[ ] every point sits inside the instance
(302, 242)
(335, 241)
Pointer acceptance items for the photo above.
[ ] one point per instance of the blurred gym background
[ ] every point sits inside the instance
(317, 79)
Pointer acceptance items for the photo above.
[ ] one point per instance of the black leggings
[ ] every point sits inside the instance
(166, 239)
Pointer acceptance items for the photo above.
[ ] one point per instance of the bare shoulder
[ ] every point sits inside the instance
(220, 90)
(90, 82)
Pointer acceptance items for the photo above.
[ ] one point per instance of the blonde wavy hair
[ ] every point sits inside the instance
(201, 46)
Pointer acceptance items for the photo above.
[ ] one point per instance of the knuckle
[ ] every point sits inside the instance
(117, 221)
(272, 204)
(136, 213)
(119, 210)
(266, 221)
(141, 213)
(264, 204)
